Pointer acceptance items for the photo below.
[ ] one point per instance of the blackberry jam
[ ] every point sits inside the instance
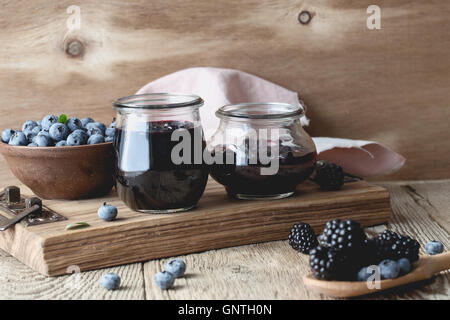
(153, 174)
(261, 151)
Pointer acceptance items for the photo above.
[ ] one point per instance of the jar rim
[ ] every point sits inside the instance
(249, 110)
(162, 100)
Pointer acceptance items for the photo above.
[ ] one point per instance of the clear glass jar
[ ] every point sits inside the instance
(260, 150)
(150, 175)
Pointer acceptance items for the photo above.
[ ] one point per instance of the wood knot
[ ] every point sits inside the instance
(75, 48)
(304, 17)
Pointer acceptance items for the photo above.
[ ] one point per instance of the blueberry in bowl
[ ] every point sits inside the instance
(55, 160)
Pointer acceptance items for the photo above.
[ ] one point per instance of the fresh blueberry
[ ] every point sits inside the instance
(404, 265)
(113, 123)
(82, 134)
(48, 121)
(41, 140)
(18, 139)
(29, 125)
(61, 143)
(46, 134)
(110, 132)
(39, 122)
(32, 144)
(177, 267)
(95, 127)
(74, 124)
(164, 280)
(110, 281)
(30, 134)
(6, 135)
(58, 131)
(434, 247)
(107, 212)
(36, 130)
(76, 139)
(85, 121)
(96, 138)
(365, 273)
(109, 139)
(389, 269)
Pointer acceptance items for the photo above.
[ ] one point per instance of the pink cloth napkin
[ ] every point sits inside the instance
(219, 87)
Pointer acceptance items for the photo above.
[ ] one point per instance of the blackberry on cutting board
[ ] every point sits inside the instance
(328, 176)
(302, 238)
(343, 234)
(328, 263)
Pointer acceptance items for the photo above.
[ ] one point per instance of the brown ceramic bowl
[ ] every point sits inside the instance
(63, 172)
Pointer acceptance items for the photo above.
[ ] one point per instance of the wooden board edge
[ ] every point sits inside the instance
(102, 253)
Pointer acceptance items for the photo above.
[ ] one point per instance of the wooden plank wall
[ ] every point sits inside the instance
(390, 85)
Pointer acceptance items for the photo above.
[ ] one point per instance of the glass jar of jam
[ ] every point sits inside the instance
(157, 138)
(260, 150)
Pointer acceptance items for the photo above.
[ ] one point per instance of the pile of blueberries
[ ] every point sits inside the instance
(59, 131)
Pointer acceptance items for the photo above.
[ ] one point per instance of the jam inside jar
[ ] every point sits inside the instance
(253, 137)
(150, 177)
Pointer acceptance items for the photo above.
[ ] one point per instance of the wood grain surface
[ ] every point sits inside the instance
(389, 85)
(217, 222)
(269, 270)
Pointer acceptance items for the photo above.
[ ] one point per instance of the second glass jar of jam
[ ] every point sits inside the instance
(150, 176)
(260, 150)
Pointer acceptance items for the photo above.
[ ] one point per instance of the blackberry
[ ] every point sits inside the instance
(391, 245)
(302, 238)
(340, 234)
(327, 263)
(328, 176)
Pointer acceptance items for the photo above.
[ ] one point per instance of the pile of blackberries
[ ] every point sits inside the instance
(343, 251)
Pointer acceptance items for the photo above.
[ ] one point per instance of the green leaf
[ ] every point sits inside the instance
(77, 225)
(62, 118)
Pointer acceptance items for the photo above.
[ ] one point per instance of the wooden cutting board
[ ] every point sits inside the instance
(217, 222)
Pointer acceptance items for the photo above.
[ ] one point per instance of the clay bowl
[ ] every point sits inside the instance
(63, 172)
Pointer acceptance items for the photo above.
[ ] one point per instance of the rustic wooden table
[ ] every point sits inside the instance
(272, 270)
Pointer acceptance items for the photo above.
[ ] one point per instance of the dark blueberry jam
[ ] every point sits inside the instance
(146, 177)
(244, 178)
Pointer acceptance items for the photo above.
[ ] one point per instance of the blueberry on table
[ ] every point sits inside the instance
(61, 143)
(404, 265)
(434, 247)
(29, 125)
(74, 124)
(177, 267)
(58, 132)
(48, 120)
(96, 138)
(6, 135)
(389, 269)
(107, 212)
(110, 281)
(164, 280)
(18, 139)
(85, 121)
(32, 145)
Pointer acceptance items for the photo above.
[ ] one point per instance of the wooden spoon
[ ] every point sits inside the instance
(423, 269)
